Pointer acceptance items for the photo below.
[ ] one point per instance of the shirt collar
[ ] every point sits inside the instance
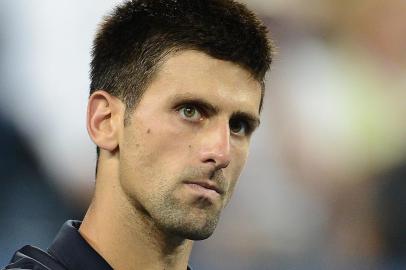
(72, 250)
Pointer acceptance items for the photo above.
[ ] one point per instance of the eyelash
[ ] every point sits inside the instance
(196, 107)
(245, 124)
(203, 113)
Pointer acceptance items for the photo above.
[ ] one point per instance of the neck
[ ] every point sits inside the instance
(126, 237)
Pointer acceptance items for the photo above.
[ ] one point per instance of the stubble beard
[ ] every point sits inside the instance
(194, 221)
(186, 221)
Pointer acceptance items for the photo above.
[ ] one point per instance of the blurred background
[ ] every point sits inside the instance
(325, 184)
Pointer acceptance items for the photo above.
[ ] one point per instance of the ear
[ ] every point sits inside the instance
(105, 119)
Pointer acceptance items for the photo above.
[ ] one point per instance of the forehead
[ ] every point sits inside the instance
(194, 74)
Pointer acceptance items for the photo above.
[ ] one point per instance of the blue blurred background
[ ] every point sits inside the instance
(325, 184)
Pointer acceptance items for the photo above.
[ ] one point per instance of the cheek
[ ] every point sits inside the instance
(160, 146)
(146, 163)
(236, 166)
(240, 154)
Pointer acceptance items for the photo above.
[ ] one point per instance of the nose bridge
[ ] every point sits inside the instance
(216, 146)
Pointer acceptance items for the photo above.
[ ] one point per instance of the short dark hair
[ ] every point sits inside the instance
(136, 37)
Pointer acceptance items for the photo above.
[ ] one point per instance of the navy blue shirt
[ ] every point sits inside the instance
(69, 251)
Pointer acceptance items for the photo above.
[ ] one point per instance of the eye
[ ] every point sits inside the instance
(190, 113)
(239, 127)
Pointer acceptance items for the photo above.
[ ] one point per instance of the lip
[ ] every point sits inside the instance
(210, 185)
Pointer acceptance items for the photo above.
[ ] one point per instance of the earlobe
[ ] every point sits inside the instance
(104, 120)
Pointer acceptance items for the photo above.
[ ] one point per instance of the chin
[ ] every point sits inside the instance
(194, 232)
(185, 220)
(192, 227)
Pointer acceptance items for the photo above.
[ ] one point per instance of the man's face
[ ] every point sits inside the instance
(187, 142)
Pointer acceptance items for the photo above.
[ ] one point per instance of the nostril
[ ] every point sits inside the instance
(211, 160)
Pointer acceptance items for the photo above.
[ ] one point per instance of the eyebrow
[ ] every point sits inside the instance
(251, 119)
(190, 98)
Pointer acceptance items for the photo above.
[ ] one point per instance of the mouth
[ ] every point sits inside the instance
(210, 185)
(205, 188)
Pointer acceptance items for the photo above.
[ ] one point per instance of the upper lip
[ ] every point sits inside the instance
(207, 184)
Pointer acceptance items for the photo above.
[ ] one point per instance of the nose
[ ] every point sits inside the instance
(215, 149)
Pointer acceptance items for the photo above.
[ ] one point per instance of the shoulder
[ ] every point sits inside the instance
(32, 258)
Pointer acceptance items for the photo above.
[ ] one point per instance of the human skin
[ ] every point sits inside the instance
(149, 202)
